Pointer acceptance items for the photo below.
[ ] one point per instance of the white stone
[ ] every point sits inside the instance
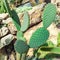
(8, 20)
(6, 40)
(3, 15)
(3, 31)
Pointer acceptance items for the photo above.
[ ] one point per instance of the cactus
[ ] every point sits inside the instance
(15, 19)
(26, 22)
(20, 36)
(49, 14)
(13, 14)
(20, 46)
(2, 7)
(39, 37)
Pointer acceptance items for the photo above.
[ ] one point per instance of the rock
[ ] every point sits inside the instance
(0, 21)
(6, 40)
(57, 3)
(53, 33)
(12, 28)
(7, 20)
(3, 16)
(3, 31)
(58, 25)
(24, 1)
(30, 52)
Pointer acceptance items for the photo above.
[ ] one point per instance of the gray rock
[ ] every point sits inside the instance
(3, 31)
(6, 40)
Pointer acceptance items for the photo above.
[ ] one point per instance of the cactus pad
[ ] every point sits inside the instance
(20, 46)
(39, 37)
(20, 36)
(13, 15)
(49, 14)
(26, 22)
(15, 19)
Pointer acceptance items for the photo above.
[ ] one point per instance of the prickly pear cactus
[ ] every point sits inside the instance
(20, 36)
(13, 15)
(49, 14)
(39, 37)
(26, 22)
(20, 46)
(16, 20)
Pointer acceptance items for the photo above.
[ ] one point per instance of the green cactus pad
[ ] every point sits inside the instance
(20, 36)
(20, 46)
(26, 22)
(49, 14)
(39, 37)
(15, 19)
(13, 15)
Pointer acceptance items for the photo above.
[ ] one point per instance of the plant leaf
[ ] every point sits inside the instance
(50, 44)
(39, 37)
(20, 36)
(49, 14)
(20, 46)
(26, 22)
(55, 50)
(15, 19)
(58, 39)
(13, 15)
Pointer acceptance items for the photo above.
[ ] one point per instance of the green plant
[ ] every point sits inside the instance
(49, 15)
(26, 22)
(2, 7)
(21, 41)
(21, 46)
(39, 37)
